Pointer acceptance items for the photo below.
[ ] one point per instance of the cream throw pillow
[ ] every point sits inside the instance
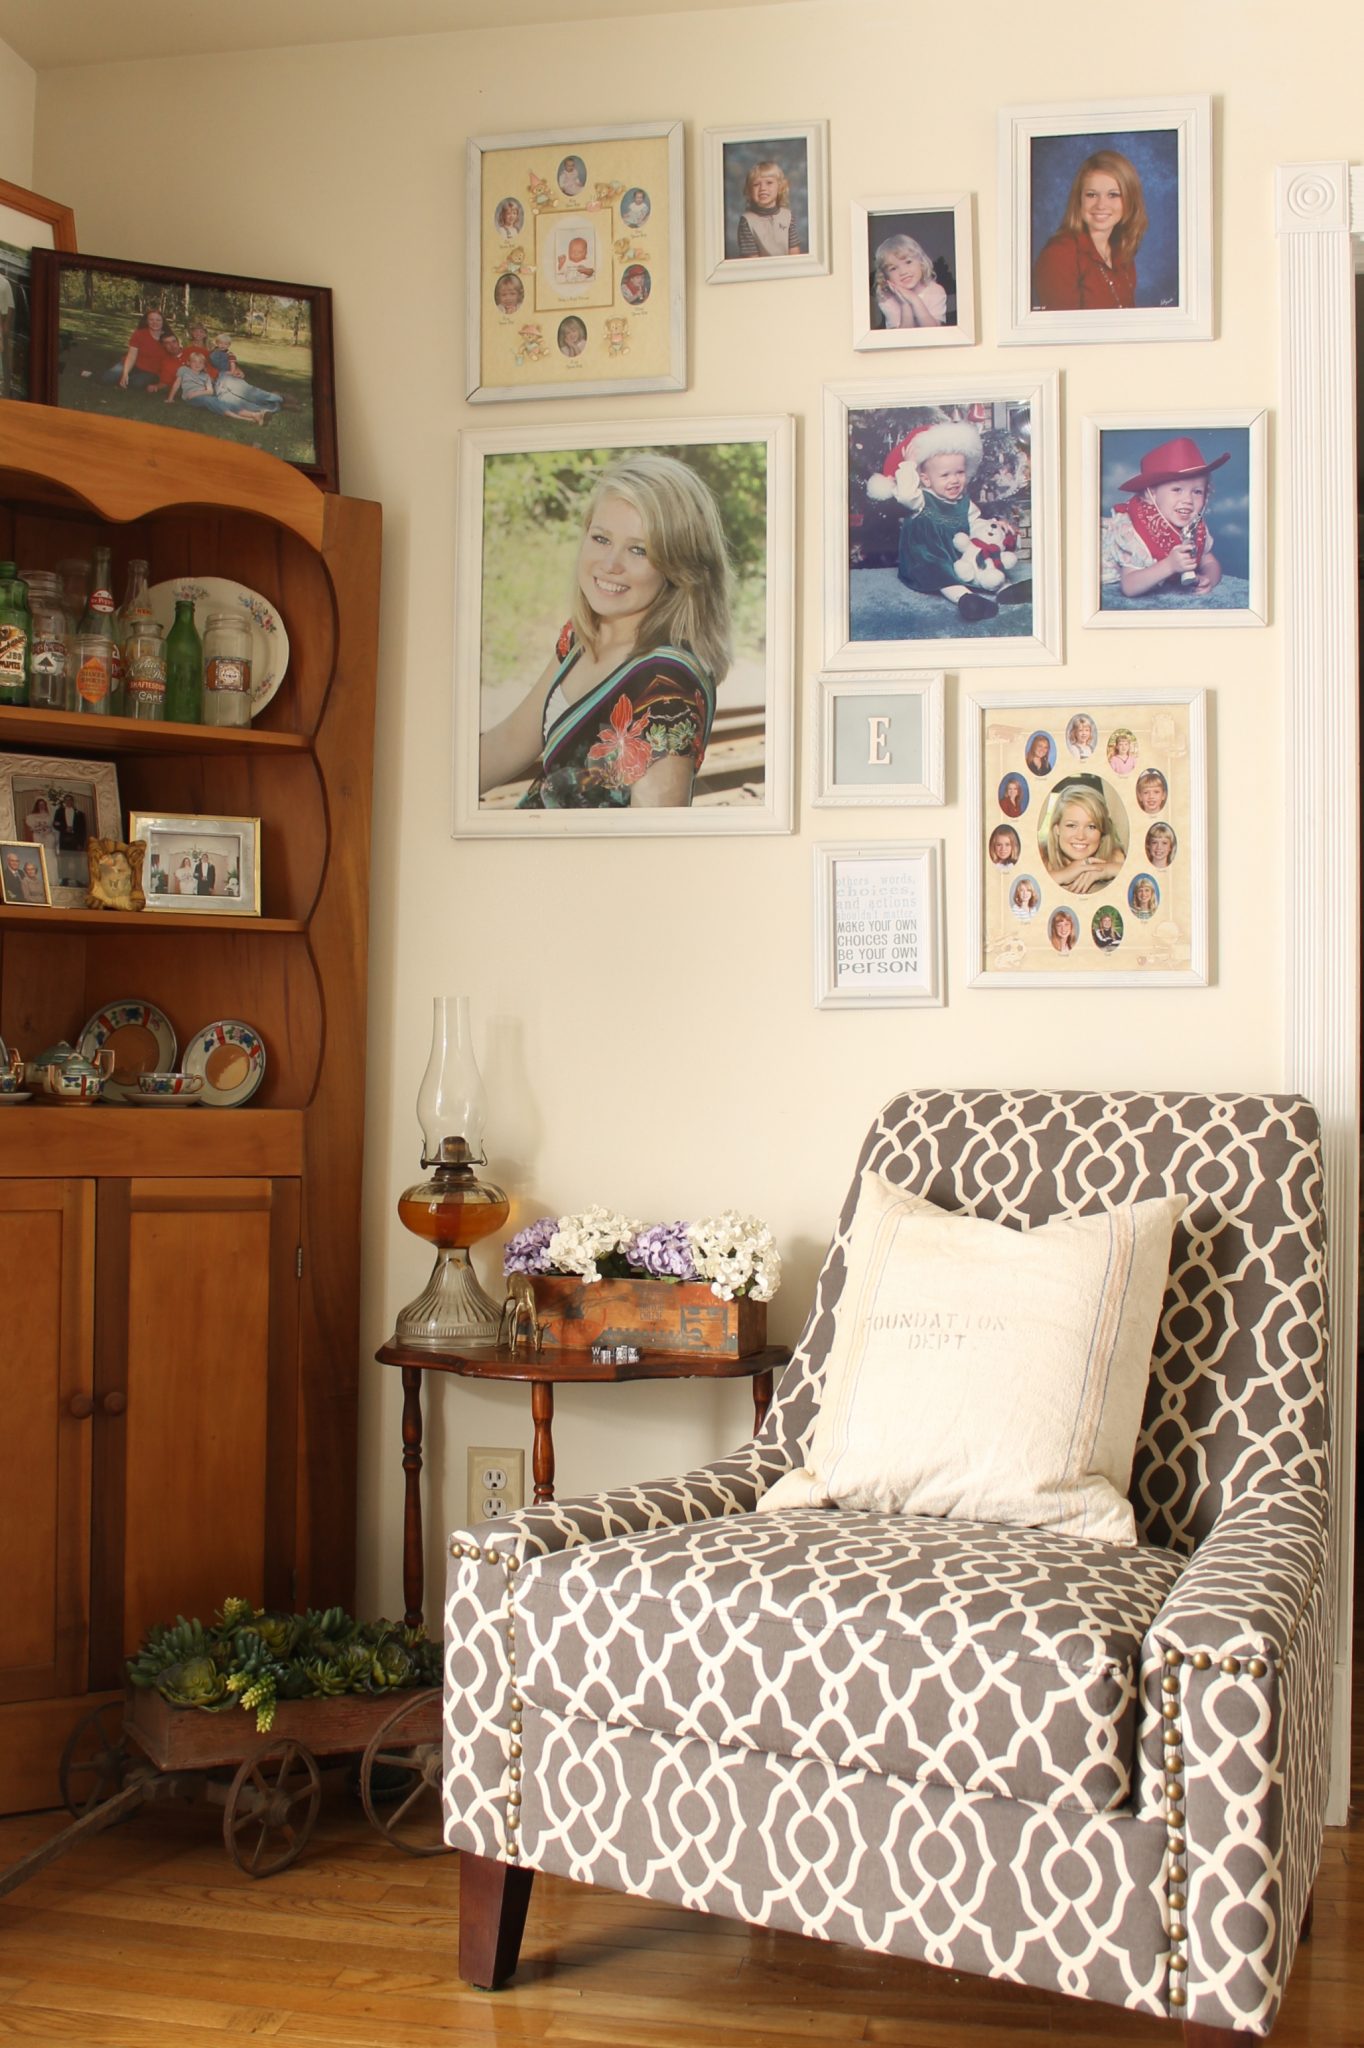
(985, 1373)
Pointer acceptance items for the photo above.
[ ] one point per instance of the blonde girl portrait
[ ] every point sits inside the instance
(767, 222)
(621, 713)
(1082, 840)
(905, 290)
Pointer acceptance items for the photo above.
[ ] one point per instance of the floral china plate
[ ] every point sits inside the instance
(269, 641)
(230, 1058)
(141, 1040)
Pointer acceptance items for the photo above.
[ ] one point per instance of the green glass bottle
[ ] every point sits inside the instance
(184, 666)
(16, 636)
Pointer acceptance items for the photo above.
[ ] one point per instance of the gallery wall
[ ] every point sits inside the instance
(644, 1009)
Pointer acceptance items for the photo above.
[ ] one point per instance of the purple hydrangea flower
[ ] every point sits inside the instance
(528, 1251)
(662, 1250)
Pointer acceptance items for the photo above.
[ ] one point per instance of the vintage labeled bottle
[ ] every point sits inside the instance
(93, 661)
(51, 648)
(227, 669)
(144, 672)
(184, 666)
(134, 612)
(16, 636)
(98, 618)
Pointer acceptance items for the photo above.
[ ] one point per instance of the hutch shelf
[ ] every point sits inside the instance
(180, 1290)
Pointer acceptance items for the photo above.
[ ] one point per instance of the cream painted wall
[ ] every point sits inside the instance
(18, 103)
(644, 1011)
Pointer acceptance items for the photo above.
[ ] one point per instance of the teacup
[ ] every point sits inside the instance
(11, 1081)
(170, 1086)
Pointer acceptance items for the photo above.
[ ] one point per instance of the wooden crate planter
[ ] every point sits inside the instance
(188, 1739)
(656, 1315)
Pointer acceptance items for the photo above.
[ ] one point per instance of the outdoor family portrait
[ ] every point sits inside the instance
(235, 363)
(623, 658)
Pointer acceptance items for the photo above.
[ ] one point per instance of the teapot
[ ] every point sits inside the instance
(11, 1070)
(67, 1076)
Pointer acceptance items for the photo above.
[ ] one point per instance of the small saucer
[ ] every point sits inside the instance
(10, 1096)
(141, 1101)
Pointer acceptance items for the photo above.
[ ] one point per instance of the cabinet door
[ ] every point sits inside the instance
(46, 1307)
(196, 1388)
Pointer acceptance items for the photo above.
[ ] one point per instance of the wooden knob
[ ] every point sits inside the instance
(81, 1405)
(115, 1403)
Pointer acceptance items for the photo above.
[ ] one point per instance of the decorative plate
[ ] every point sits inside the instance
(142, 1042)
(269, 641)
(231, 1058)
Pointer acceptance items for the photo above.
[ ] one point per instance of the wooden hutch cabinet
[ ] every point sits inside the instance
(179, 1288)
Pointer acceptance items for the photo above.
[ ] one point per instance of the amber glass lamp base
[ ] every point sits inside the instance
(452, 1210)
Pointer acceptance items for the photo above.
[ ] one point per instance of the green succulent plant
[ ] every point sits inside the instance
(254, 1658)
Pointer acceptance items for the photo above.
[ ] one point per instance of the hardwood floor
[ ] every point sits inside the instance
(147, 1937)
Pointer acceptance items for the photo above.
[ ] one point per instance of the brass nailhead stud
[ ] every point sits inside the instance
(1256, 1667)
(1174, 1816)
(1168, 1684)
(490, 1555)
(1201, 1660)
(1177, 1994)
(515, 1727)
(513, 1797)
(1176, 1930)
(1231, 1667)
(1177, 1902)
(1177, 1873)
(516, 1749)
(514, 1773)
(1178, 1962)
(1175, 1841)
(1173, 1657)
(1173, 1788)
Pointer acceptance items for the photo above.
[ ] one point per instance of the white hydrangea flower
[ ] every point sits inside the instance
(737, 1254)
(593, 1234)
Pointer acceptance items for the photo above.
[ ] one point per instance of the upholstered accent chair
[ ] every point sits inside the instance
(1035, 1757)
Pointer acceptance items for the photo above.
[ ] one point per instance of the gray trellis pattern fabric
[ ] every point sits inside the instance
(640, 1694)
(972, 1656)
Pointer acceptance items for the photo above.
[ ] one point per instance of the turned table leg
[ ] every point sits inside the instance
(414, 1574)
(542, 1451)
(762, 1398)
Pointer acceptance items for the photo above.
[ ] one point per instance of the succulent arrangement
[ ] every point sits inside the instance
(249, 1657)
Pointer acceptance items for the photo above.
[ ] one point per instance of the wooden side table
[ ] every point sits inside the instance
(542, 1372)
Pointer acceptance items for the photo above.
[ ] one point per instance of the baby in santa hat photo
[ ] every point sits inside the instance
(947, 545)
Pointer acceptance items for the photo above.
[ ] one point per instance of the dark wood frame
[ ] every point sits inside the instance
(48, 266)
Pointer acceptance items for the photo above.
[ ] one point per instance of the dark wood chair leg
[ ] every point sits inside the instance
(1305, 1931)
(493, 1898)
(1196, 2035)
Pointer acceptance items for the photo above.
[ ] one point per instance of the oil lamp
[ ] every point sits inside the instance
(452, 1209)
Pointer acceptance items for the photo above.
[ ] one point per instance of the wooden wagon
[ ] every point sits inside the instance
(129, 1754)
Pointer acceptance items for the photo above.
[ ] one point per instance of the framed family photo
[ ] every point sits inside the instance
(880, 740)
(941, 532)
(207, 866)
(878, 926)
(27, 222)
(623, 638)
(767, 202)
(23, 874)
(1107, 213)
(913, 272)
(59, 805)
(240, 359)
(1175, 518)
(576, 282)
(1088, 839)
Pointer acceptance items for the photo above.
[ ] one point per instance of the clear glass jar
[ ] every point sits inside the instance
(51, 655)
(227, 669)
(144, 672)
(93, 665)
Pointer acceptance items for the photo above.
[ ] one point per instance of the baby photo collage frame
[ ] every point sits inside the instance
(942, 532)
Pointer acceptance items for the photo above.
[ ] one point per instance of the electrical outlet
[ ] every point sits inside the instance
(497, 1482)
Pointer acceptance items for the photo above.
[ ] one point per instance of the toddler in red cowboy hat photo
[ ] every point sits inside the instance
(929, 473)
(1159, 542)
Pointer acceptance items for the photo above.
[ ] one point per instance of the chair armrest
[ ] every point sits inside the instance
(481, 1792)
(1234, 1754)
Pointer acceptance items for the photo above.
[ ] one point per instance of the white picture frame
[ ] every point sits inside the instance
(864, 425)
(61, 804)
(1162, 142)
(627, 290)
(1162, 944)
(800, 150)
(746, 783)
(880, 740)
(197, 865)
(942, 226)
(878, 925)
(1233, 439)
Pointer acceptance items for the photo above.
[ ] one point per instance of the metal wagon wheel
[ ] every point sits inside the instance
(400, 1776)
(271, 1807)
(95, 1760)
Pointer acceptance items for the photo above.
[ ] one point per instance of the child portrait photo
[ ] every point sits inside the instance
(942, 530)
(1175, 519)
(766, 202)
(913, 272)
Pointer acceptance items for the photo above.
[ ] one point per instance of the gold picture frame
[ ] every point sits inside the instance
(115, 874)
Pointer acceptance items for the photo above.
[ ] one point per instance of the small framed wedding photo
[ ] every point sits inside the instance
(767, 201)
(878, 926)
(199, 865)
(880, 740)
(1106, 221)
(913, 271)
(1175, 519)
